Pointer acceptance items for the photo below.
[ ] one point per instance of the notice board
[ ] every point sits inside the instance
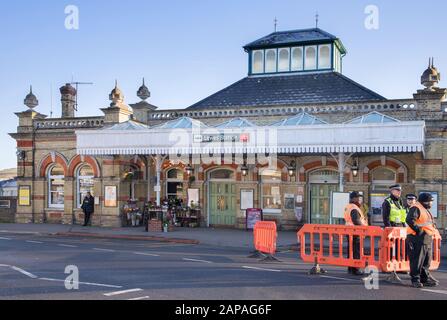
(253, 216)
(339, 201)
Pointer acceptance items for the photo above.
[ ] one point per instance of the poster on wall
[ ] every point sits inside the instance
(289, 201)
(193, 196)
(434, 208)
(339, 202)
(376, 202)
(24, 196)
(253, 216)
(110, 198)
(247, 199)
(299, 214)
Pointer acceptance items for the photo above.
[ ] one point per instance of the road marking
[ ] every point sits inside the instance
(67, 245)
(197, 260)
(146, 254)
(338, 278)
(104, 250)
(261, 269)
(139, 298)
(26, 273)
(116, 293)
(84, 283)
(435, 291)
(5, 238)
(30, 241)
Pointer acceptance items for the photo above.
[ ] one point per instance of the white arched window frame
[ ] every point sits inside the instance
(56, 185)
(297, 59)
(324, 57)
(84, 183)
(284, 60)
(310, 61)
(258, 61)
(271, 191)
(270, 61)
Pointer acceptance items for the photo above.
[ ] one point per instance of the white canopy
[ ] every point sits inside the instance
(395, 137)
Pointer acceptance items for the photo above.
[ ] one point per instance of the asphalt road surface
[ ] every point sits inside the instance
(33, 268)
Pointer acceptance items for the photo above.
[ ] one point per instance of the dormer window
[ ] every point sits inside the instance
(258, 61)
(324, 57)
(297, 59)
(270, 61)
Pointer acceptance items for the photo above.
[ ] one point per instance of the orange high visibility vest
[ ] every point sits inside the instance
(348, 219)
(425, 221)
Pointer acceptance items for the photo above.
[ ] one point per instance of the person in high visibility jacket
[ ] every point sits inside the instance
(421, 228)
(393, 209)
(354, 216)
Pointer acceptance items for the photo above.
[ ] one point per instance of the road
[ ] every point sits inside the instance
(33, 267)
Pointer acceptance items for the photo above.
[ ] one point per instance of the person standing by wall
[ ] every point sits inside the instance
(421, 228)
(393, 209)
(88, 207)
(354, 216)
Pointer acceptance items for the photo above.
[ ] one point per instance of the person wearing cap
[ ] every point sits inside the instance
(411, 201)
(393, 209)
(354, 216)
(420, 231)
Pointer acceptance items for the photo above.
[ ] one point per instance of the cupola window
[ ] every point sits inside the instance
(284, 60)
(270, 61)
(310, 62)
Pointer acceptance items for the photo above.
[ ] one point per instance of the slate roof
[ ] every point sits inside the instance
(292, 37)
(328, 87)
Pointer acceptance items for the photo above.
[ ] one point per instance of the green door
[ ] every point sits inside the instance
(320, 202)
(222, 204)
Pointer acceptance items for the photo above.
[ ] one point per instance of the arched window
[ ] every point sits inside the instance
(174, 185)
(84, 183)
(324, 57)
(384, 176)
(297, 59)
(284, 61)
(310, 62)
(258, 62)
(270, 61)
(222, 174)
(56, 185)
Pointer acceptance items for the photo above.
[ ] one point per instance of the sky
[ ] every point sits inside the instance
(189, 49)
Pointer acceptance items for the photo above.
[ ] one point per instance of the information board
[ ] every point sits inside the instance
(253, 216)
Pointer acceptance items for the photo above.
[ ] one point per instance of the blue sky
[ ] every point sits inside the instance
(189, 49)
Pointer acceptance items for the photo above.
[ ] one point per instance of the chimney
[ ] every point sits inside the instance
(68, 100)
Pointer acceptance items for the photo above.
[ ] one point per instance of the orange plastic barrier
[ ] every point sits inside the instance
(265, 235)
(333, 245)
(328, 244)
(394, 255)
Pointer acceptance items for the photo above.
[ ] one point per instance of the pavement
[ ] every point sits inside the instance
(207, 236)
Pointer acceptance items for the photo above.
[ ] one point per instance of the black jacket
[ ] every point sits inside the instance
(88, 205)
(386, 209)
(412, 216)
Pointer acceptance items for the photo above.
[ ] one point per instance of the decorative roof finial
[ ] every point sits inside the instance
(31, 100)
(276, 24)
(317, 16)
(116, 96)
(431, 77)
(143, 92)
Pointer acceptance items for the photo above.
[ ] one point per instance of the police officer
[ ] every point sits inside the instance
(411, 201)
(421, 228)
(354, 216)
(393, 209)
